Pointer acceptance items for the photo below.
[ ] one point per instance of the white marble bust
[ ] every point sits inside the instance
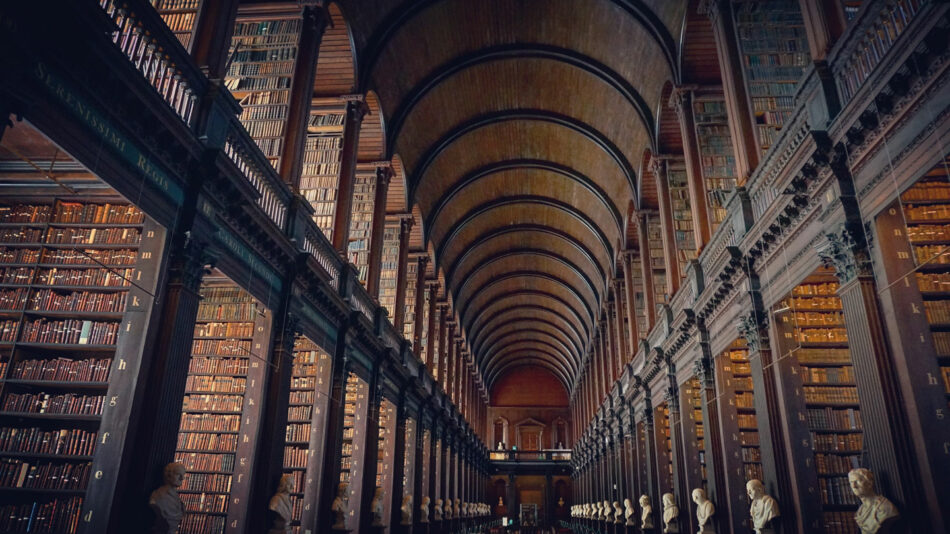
(437, 510)
(424, 510)
(618, 513)
(763, 507)
(281, 507)
(166, 503)
(671, 514)
(876, 513)
(377, 506)
(628, 512)
(705, 509)
(340, 506)
(406, 510)
(646, 512)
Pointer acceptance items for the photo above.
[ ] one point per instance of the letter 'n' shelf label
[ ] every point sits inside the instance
(107, 132)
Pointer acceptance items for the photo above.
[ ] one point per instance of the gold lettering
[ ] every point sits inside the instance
(105, 437)
(122, 364)
(98, 475)
(114, 400)
(88, 517)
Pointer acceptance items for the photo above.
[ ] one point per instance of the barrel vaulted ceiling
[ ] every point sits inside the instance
(521, 127)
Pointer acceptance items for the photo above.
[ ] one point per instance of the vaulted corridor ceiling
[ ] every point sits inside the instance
(522, 126)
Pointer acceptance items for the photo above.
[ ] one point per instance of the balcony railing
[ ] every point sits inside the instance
(547, 455)
(250, 161)
(155, 52)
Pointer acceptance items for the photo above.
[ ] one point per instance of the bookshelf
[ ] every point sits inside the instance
(67, 266)
(263, 53)
(306, 421)
(361, 223)
(813, 327)
(426, 475)
(390, 268)
(682, 216)
(638, 300)
(692, 414)
(657, 261)
(664, 447)
(409, 308)
(409, 460)
(323, 149)
(354, 431)
(642, 466)
(180, 16)
(716, 152)
(774, 53)
(219, 419)
(385, 453)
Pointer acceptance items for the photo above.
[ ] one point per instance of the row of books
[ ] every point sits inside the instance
(49, 516)
(822, 335)
(213, 403)
(72, 442)
(16, 473)
(89, 236)
(836, 491)
(297, 431)
(242, 312)
(922, 233)
(221, 347)
(170, 5)
(203, 524)
(295, 457)
(221, 329)
(927, 212)
(200, 461)
(215, 384)
(259, 129)
(933, 281)
(73, 301)
(206, 441)
(839, 523)
(830, 464)
(214, 482)
(214, 365)
(205, 502)
(836, 356)
(210, 422)
(850, 442)
(49, 403)
(72, 212)
(828, 375)
(933, 254)
(299, 413)
(832, 395)
(70, 331)
(62, 369)
(82, 277)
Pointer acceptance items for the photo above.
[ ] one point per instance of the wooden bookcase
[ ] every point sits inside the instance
(682, 216)
(716, 150)
(320, 176)
(641, 460)
(361, 222)
(664, 449)
(812, 334)
(409, 308)
(221, 407)
(356, 404)
(657, 262)
(306, 423)
(263, 54)
(385, 454)
(639, 304)
(694, 442)
(77, 275)
(180, 17)
(774, 52)
(390, 269)
(409, 462)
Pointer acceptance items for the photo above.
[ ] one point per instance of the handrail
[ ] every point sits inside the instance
(250, 161)
(317, 245)
(152, 48)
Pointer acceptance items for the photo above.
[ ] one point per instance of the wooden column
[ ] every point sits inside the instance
(440, 356)
(628, 258)
(652, 483)
(400, 450)
(432, 287)
(214, 26)
(646, 270)
(301, 93)
(356, 109)
(399, 311)
(450, 355)
(738, 106)
(659, 166)
(824, 23)
(371, 448)
(384, 175)
(681, 489)
(419, 308)
(621, 337)
(687, 453)
(887, 435)
(607, 333)
(681, 100)
(417, 483)
(335, 420)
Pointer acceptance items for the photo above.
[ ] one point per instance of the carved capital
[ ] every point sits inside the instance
(681, 98)
(702, 368)
(384, 174)
(842, 252)
(405, 225)
(753, 327)
(658, 166)
(190, 263)
(356, 107)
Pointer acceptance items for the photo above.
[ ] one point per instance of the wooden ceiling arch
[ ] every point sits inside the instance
(520, 128)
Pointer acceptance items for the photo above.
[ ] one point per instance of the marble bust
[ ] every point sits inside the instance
(628, 512)
(377, 506)
(876, 514)
(437, 510)
(424, 510)
(646, 513)
(165, 502)
(280, 506)
(705, 509)
(340, 506)
(618, 513)
(671, 514)
(447, 510)
(608, 511)
(406, 509)
(763, 508)
(456, 510)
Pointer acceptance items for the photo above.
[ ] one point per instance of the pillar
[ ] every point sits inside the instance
(824, 23)
(682, 102)
(621, 338)
(419, 308)
(646, 271)
(384, 175)
(433, 290)
(335, 418)
(211, 42)
(659, 166)
(356, 109)
(371, 448)
(301, 93)
(400, 450)
(399, 311)
(738, 105)
(628, 258)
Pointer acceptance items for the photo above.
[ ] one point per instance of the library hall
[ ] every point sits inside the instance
(475, 267)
